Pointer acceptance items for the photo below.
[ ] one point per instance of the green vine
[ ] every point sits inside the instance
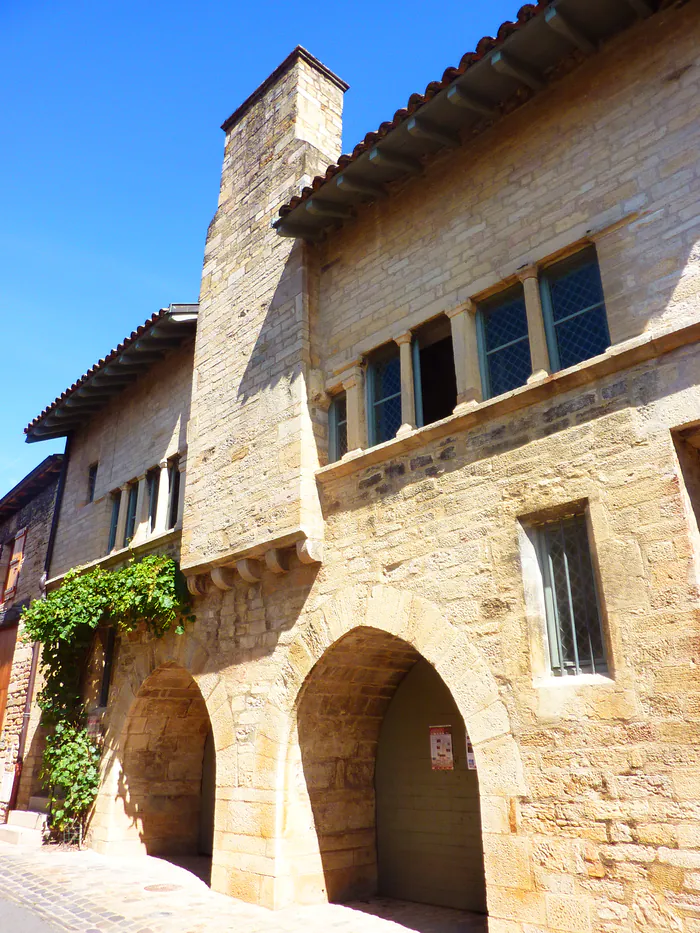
(148, 592)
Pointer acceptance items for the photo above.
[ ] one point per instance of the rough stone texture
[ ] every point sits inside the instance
(144, 424)
(36, 517)
(590, 786)
(252, 357)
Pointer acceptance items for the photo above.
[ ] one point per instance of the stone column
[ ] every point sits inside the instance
(354, 385)
(466, 355)
(408, 401)
(539, 355)
(181, 464)
(121, 520)
(162, 503)
(141, 525)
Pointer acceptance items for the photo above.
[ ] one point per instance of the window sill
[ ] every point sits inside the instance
(616, 358)
(116, 557)
(551, 682)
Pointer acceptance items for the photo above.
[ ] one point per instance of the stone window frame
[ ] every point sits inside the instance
(529, 530)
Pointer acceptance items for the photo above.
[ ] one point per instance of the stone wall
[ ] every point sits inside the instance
(144, 424)
(616, 138)
(250, 475)
(36, 517)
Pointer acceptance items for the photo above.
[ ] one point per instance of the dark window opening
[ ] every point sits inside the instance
(174, 485)
(92, 481)
(338, 428)
(108, 637)
(131, 513)
(384, 394)
(114, 521)
(153, 482)
(504, 344)
(434, 372)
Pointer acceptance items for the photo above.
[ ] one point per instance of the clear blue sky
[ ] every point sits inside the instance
(111, 152)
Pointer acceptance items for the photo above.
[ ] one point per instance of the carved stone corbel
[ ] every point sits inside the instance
(249, 569)
(276, 560)
(223, 578)
(310, 551)
(197, 584)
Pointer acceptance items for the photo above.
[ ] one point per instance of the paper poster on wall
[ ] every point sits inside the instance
(471, 760)
(441, 757)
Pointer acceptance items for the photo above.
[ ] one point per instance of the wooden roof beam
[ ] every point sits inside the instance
(422, 129)
(458, 97)
(356, 186)
(508, 66)
(318, 208)
(558, 23)
(393, 161)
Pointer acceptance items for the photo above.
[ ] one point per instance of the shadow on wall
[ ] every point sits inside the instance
(386, 822)
(166, 782)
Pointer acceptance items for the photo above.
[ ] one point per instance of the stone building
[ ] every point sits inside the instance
(440, 505)
(26, 521)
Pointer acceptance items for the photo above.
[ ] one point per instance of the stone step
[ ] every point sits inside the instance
(20, 836)
(39, 804)
(26, 819)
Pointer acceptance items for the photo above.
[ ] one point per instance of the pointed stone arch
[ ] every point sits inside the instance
(419, 624)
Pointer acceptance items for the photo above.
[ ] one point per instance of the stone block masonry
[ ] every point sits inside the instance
(252, 453)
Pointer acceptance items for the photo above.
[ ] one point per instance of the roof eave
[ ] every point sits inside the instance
(485, 89)
(147, 345)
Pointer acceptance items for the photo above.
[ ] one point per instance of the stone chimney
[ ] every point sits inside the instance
(251, 452)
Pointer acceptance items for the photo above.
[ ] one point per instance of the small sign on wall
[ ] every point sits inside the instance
(441, 756)
(471, 760)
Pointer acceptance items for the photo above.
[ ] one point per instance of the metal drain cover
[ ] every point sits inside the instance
(163, 888)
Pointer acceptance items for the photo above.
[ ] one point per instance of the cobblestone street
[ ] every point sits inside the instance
(90, 893)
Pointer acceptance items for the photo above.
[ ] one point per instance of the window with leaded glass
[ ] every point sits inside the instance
(113, 522)
(130, 526)
(574, 310)
(384, 395)
(338, 427)
(571, 602)
(504, 345)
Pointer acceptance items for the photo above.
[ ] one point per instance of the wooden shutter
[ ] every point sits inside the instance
(15, 566)
(7, 651)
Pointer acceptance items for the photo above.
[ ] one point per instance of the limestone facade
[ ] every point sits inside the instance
(318, 585)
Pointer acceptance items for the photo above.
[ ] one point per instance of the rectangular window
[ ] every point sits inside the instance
(130, 526)
(153, 482)
(174, 492)
(338, 427)
(435, 382)
(384, 395)
(113, 521)
(92, 481)
(571, 602)
(574, 310)
(9, 590)
(504, 345)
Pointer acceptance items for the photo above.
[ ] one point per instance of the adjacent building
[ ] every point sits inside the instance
(26, 530)
(440, 419)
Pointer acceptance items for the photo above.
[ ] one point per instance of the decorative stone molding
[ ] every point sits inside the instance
(197, 584)
(277, 560)
(310, 551)
(223, 578)
(249, 569)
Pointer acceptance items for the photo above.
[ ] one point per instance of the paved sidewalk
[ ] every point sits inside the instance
(84, 892)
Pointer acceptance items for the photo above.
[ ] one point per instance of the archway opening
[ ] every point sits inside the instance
(167, 779)
(388, 821)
